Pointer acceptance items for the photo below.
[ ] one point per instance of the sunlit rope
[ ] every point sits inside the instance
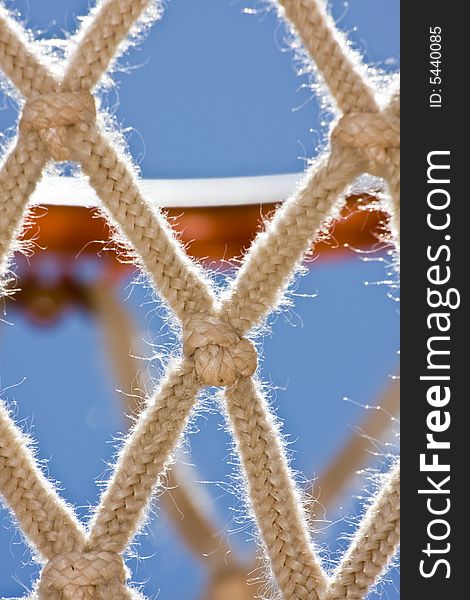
(59, 123)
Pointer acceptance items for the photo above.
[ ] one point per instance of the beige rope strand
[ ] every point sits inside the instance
(269, 264)
(143, 461)
(343, 73)
(273, 494)
(99, 39)
(178, 279)
(44, 518)
(19, 61)
(373, 545)
(19, 174)
(353, 455)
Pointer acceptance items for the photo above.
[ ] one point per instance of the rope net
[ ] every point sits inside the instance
(60, 121)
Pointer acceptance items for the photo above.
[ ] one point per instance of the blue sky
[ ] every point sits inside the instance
(212, 91)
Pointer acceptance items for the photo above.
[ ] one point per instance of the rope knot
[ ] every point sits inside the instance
(374, 135)
(51, 114)
(79, 575)
(220, 354)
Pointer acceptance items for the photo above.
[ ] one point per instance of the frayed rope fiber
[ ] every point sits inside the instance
(58, 122)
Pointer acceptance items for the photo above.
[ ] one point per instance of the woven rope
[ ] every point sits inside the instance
(57, 123)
